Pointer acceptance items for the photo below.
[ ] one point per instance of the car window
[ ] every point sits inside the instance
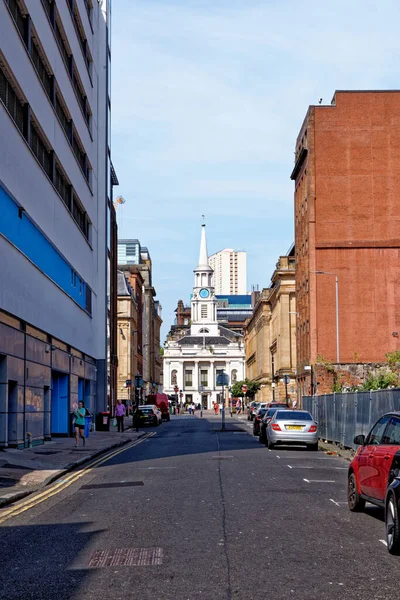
(293, 415)
(375, 436)
(392, 432)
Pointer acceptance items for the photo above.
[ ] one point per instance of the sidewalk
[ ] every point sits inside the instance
(25, 471)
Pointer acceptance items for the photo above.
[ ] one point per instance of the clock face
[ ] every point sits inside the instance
(204, 293)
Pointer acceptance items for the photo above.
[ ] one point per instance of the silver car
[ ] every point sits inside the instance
(292, 427)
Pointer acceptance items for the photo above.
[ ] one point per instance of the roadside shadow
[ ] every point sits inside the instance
(37, 561)
(376, 512)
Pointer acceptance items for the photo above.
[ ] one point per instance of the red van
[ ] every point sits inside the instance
(161, 401)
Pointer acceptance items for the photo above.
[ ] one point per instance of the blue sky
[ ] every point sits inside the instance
(207, 100)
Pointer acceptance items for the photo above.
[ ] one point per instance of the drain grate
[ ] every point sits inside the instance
(48, 453)
(11, 466)
(116, 484)
(126, 557)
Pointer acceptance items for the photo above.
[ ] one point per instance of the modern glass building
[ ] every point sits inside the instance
(55, 214)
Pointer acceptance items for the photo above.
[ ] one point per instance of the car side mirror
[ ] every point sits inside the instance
(359, 440)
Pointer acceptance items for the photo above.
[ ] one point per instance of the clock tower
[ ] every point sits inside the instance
(204, 302)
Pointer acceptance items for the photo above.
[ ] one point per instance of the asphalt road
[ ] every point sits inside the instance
(209, 516)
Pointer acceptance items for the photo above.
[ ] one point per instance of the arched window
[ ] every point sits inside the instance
(174, 377)
(204, 330)
(234, 376)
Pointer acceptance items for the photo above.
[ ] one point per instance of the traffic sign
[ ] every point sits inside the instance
(223, 379)
(244, 388)
(286, 379)
(176, 389)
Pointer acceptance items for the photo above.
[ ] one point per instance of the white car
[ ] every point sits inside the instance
(149, 414)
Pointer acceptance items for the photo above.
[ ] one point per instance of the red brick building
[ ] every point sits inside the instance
(347, 224)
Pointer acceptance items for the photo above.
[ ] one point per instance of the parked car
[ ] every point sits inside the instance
(374, 475)
(266, 419)
(292, 427)
(251, 411)
(277, 405)
(149, 415)
(258, 418)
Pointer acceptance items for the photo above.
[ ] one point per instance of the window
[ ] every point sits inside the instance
(174, 377)
(204, 311)
(63, 187)
(62, 45)
(17, 15)
(204, 377)
(40, 150)
(88, 299)
(62, 115)
(42, 70)
(375, 437)
(188, 378)
(11, 101)
(392, 433)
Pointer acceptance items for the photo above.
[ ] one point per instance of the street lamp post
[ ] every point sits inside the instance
(337, 309)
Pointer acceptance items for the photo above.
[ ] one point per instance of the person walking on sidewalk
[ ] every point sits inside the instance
(79, 423)
(120, 414)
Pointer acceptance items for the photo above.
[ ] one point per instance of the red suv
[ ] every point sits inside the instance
(374, 475)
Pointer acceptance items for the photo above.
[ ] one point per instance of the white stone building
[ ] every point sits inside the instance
(193, 363)
(230, 272)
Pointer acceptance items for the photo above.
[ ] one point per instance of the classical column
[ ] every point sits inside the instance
(196, 378)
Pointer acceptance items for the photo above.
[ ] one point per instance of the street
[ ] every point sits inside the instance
(197, 513)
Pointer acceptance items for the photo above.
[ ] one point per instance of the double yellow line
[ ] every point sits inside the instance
(65, 482)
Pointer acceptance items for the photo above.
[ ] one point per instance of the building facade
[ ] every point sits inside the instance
(129, 316)
(270, 335)
(230, 272)
(346, 227)
(140, 274)
(193, 362)
(54, 114)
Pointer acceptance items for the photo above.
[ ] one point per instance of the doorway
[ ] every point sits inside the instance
(59, 404)
(204, 401)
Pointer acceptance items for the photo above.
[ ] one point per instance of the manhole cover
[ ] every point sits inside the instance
(96, 486)
(126, 557)
(7, 482)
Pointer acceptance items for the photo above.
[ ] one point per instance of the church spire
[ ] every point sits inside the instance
(203, 256)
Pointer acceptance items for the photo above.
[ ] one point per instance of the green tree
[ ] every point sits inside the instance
(252, 388)
(380, 382)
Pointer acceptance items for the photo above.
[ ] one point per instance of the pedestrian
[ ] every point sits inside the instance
(193, 408)
(79, 423)
(120, 414)
(238, 407)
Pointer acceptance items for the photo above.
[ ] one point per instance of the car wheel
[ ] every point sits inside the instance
(313, 447)
(355, 502)
(392, 523)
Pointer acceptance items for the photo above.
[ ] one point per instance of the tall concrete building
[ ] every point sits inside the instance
(230, 275)
(56, 224)
(347, 215)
